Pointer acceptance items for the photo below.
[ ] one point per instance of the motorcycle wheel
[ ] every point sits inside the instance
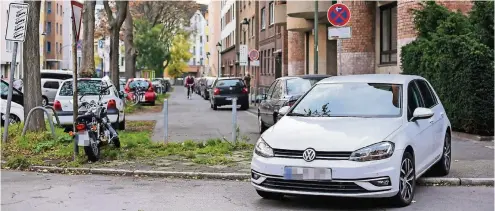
(93, 150)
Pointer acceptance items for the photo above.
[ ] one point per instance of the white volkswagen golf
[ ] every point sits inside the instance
(355, 136)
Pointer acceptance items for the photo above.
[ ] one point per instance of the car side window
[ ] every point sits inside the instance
(413, 99)
(277, 92)
(426, 93)
(51, 85)
(270, 91)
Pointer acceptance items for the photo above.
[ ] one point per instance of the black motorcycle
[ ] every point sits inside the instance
(94, 129)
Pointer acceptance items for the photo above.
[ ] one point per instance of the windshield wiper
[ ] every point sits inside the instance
(296, 114)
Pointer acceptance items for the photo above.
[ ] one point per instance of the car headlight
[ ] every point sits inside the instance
(263, 149)
(376, 151)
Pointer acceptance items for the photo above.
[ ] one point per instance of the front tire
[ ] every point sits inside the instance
(407, 181)
(442, 168)
(44, 101)
(261, 124)
(270, 195)
(122, 125)
(93, 150)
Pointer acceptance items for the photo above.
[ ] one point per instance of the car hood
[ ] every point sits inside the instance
(329, 133)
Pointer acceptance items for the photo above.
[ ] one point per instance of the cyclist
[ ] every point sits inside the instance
(189, 84)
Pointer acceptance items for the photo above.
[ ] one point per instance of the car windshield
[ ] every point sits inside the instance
(139, 83)
(84, 87)
(351, 100)
(299, 86)
(229, 83)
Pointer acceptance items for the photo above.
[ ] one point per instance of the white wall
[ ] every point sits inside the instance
(197, 38)
(6, 47)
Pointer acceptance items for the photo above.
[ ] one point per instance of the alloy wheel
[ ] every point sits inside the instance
(44, 102)
(406, 185)
(447, 152)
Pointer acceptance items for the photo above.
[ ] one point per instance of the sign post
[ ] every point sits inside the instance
(253, 56)
(76, 26)
(339, 15)
(16, 32)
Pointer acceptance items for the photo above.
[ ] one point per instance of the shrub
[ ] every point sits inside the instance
(457, 64)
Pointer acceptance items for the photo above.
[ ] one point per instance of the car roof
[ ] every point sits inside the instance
(313, 76)
(226, 78)
(139, 79)
(67, 72)
(372, 78)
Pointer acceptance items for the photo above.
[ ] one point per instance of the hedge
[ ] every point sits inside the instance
(458, 64)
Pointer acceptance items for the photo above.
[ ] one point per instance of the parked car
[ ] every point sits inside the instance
(49, 88)
(89, 89)
(17, 105)
(160, 85)
(205, 87)
(356, 136)
(149, 95)
(283, 91)
(56, 74)
(197, 83)
(224, 89)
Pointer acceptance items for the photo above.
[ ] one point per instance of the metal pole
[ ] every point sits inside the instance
(340, 55)
(316, 37)
(234, 119)
(9, 97)
(75, 107)
(219, 72)
(165, 120)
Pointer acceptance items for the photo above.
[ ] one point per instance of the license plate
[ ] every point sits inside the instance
(301, 173)
(83, 138)
(228, 98)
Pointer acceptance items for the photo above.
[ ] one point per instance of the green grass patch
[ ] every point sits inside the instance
(40, 148)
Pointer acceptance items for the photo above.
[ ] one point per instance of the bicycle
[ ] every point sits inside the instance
(135, 96)
(189, 90)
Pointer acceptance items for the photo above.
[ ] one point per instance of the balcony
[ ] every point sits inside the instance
(305, 9)
(299, 24)
(280, 14)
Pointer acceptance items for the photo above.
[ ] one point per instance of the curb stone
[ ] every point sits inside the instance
(472, 137)
(427, 181)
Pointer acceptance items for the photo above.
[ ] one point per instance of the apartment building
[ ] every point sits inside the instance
(52, 35)
(379, 30)
(228, 36)
(198, 39)
(213, 37)
(272, 43)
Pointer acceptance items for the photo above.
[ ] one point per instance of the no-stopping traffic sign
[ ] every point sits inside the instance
(254, 55)
(338, 15)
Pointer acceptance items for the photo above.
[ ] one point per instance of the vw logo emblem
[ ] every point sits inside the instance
(309, 155)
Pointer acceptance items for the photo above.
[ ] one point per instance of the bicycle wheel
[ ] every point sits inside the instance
(135, 98)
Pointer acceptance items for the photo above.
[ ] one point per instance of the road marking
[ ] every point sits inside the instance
(490, 147)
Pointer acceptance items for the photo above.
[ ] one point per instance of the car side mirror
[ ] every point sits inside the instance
(282, 111)
(422, 113)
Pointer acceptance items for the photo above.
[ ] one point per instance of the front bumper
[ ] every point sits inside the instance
(349, 178)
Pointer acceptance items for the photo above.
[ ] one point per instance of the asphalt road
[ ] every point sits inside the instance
(34, 191)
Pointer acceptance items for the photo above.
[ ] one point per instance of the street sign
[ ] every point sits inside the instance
(243, 55)
(255, 63)
(76, 16)
(338, 15)
(17, 22)
(339, 33)
(254, 54)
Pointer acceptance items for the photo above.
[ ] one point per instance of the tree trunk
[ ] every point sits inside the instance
(88, 60)
(32, 79)
(114, 56)
(130, 51)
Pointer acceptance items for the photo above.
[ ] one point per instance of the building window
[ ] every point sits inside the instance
(60, 10)
(200, 50)
(48, 27)
(272, 13)
(49, 7)
(57, 9)
(121, 61)
(56, 47)
(48, 47)
(262, 18)
(200, 39)
(56, 29)
(60, 49)
(60, 29)
(388, 34)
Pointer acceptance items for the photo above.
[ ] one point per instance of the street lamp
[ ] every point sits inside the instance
(44, 47)
(219, 48)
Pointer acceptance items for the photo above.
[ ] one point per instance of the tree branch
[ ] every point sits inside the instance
(109, 13)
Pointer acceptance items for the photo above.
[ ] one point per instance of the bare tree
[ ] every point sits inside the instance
(115, 21)
(32, 81)
(130, 51)
(88, 60)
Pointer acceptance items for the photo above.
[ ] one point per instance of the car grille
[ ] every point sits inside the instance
(313, 186)
(320, 155)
